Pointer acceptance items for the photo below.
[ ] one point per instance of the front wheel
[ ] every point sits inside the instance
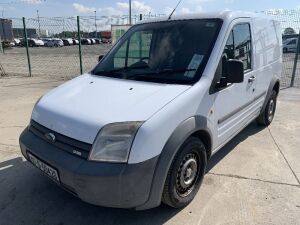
(185, 174)
(266, 117)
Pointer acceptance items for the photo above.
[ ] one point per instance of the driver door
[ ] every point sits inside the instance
(233, 101)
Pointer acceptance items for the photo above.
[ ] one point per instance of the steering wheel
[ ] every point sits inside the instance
(144, 58)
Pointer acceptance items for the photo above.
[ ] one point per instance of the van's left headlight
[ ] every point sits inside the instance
(114, 141)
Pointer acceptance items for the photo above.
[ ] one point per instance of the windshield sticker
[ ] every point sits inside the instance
(193, 66)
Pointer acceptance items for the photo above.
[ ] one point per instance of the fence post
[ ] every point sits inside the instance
(1, 46)
(26, 45)
(295, 62)
(79, 40)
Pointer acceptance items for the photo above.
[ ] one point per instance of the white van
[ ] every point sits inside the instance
(140, 127)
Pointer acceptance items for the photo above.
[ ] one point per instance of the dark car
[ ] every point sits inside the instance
(67, 41)
(98, 40)
(75, 41)
(85, 41)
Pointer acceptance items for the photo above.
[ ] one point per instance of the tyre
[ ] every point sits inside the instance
(185, 174)
(266, 117)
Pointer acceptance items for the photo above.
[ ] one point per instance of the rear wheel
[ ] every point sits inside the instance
(266, 117)
(185, 174)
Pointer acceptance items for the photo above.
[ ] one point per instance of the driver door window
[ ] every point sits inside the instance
(238, 46)
(135, 51)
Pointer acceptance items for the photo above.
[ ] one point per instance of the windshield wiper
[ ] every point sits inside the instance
(110, 72)
(118, 71)
(156, 74)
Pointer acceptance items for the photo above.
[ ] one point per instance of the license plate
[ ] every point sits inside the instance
(48, 170)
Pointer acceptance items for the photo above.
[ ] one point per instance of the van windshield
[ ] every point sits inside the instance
(162, 52)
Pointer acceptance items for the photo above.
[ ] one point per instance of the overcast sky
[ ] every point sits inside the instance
(50, 8)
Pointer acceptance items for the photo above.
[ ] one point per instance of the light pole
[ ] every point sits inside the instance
(129, 12)
(38, 17)
(96, 35)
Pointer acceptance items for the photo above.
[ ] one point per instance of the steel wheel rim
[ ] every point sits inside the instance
(187, 174)
(271, 109)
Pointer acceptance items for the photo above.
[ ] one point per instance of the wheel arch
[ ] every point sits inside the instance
(274, 85)
(205, 137)
(194, 126)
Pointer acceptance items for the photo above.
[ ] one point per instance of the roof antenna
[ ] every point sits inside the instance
(174, 9)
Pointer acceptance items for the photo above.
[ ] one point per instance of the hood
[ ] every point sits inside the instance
(81, 107)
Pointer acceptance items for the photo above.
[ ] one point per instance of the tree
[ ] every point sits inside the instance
(289, 30)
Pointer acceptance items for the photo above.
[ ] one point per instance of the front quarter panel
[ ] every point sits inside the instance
(154, 133)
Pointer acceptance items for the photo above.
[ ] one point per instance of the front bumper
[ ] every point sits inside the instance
(105, 184)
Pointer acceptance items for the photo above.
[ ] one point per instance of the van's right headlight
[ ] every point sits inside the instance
(114, 141)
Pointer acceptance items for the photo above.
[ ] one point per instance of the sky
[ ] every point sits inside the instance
(56, 8)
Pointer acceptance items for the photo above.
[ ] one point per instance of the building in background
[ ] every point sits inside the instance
(31, 33)
(117, 31)
(6, 34)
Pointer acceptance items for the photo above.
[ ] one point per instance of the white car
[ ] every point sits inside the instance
(141, 126)
(17, 41)
(54, 42)
(33, 42)
(67, 41)
(290, 45)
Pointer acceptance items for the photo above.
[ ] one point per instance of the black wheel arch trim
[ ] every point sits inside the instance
(272, 84)
(179, 135)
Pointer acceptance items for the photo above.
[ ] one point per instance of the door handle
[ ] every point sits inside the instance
(251, 79)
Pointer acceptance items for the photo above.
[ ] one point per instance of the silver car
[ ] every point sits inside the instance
(55, 42)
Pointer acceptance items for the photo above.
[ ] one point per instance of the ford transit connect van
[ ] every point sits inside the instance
(140, 128)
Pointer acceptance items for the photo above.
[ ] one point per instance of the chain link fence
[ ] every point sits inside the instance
(59, 47)
(290, 24)
(63, 47)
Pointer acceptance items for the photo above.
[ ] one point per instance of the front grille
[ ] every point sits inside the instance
(63, 142)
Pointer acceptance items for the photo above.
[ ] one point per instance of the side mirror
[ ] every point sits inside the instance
(235, 71)
(100, 58)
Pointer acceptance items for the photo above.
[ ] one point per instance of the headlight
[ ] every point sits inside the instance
(114, 141)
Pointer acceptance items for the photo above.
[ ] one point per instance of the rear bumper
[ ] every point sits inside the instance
(104, 184)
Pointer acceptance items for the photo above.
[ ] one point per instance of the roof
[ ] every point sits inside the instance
(224, 15)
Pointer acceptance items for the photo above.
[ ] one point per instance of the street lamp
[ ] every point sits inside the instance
(38, 17)
(96, 35)
(129, 12)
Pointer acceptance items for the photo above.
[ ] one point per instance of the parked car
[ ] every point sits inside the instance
(54, 42)
(290, 45)
(32, 42)
(98, 40)
(75, 41)
(67, 41)
(289, 36)
(86, 41)
(140, 128)
(12, 44)
(104, 41)
(93, 41)
(17, 42)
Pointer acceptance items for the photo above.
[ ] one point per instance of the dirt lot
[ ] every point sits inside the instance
(253, 180)
(54, 62)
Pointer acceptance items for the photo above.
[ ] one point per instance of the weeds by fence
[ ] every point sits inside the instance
(72, 59)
